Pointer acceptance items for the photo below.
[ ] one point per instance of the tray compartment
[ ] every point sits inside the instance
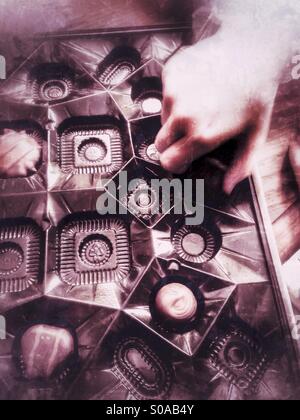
(94, 252)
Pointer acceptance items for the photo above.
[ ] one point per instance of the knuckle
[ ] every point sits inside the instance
(205, 136)
(179, 114)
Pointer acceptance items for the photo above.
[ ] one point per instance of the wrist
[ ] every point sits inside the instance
(264, 49)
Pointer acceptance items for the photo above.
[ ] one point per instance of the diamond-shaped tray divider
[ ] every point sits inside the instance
(225, 245)
(214, 291)
(134, 190)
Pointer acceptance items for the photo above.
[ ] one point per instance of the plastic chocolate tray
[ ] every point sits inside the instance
(98, 294)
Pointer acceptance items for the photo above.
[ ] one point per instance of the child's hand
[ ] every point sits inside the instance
(214, 91)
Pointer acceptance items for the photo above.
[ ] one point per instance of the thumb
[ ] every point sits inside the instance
(246, 154)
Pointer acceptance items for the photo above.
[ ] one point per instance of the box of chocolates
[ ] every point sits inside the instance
(131, 303)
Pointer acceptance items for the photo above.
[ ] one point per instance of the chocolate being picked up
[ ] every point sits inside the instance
(149, 152)
(176, 304)
(20, 154)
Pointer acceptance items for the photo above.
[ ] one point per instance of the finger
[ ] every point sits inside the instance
(242, 165)
(170, 132)
(166, 109)
(179, 156)
(295, 158)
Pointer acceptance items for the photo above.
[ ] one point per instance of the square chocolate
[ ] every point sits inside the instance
(94, 251)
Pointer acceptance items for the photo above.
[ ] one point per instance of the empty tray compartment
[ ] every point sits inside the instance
(94, 148)
(20, 245)
(238, 354)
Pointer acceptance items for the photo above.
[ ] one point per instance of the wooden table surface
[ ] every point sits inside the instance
(23, 18)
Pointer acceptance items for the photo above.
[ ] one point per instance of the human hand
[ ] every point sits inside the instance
(214, 91)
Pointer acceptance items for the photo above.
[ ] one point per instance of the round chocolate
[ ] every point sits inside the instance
(176, 302)
(237, 355)
(143, 200)
(20, 153)
(92, 150)
(151, 105)
(96, 250)
(11, 258)
(147, 92)
(176, 305)
(149, 152)
(193, 244)
(153, 153)
(197, 245)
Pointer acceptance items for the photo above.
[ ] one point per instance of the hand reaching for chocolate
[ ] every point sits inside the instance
(19, 154)
(224, 87)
